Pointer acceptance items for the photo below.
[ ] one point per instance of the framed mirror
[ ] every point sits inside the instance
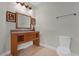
(23, 21)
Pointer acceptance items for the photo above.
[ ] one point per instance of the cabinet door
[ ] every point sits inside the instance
(29, 36)
(14, 44)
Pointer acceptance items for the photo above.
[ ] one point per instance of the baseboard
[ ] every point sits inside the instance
(20, 47)
(5, 53)
(47, 46)
(25, 46)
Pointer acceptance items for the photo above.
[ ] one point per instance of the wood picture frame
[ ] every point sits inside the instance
(33, 21)
(10, 16)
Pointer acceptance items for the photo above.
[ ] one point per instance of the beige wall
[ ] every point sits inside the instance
(50, 27)
(2, 27)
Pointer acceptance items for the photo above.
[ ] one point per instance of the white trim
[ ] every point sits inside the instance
(47, 46)
(21, 47)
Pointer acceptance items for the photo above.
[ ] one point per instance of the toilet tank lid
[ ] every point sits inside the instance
(65, 37)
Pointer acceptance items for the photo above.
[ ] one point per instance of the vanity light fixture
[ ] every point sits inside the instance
(26, 4)
(22, 3)
(17, 2)
(30, 7)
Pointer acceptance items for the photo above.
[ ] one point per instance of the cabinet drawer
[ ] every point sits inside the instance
(29, 36)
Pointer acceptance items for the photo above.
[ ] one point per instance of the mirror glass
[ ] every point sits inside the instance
(23, 21)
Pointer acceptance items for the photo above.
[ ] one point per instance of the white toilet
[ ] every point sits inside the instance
(64, 46)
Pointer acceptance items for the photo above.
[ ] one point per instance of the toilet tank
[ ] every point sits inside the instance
(64, 41)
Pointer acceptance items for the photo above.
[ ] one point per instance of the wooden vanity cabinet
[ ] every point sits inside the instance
(22, 37)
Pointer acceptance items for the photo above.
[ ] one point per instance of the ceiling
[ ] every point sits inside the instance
(35, 3)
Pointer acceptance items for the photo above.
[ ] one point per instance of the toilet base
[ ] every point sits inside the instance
(63, 51)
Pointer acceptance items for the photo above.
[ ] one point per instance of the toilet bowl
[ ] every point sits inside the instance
(64, 46)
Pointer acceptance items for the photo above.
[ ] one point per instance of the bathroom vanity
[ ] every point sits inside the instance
(24, 31)
(20, 36)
